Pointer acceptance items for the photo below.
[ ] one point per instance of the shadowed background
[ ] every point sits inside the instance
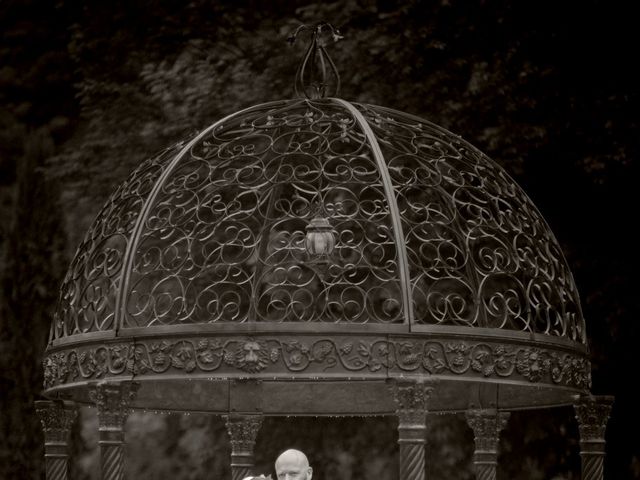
(547, 89)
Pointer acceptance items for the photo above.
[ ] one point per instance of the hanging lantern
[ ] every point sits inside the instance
(320, 240)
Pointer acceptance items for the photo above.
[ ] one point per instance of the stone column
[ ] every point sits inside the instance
(592, 413)
(57, 417)
(112, 400)
(243, 431)
(486, 423)
(411, 398)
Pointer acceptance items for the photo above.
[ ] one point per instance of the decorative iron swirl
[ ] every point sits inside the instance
(87, 296)
(479, 253)
(222, 238)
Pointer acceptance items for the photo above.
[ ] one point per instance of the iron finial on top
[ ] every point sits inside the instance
(316, 67)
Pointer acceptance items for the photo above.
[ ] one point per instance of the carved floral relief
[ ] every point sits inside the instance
(349, 355)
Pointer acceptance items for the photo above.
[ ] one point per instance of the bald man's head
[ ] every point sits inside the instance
(293, 465)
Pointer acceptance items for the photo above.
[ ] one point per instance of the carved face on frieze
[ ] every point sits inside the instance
(251, 356)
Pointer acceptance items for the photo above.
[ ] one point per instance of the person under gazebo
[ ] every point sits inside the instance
(293, 465)
(290, 465)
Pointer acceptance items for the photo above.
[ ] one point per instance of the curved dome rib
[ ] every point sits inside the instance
(120, 306)
(429, 231)
(393, 207)
(508, 251)
(256, 186)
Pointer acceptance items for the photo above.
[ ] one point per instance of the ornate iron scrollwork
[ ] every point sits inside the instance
(217, 231)
(479, 252)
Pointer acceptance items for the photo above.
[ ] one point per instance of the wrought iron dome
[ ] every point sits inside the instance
(319, 247)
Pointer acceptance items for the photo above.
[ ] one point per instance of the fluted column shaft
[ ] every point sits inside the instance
(57, 418)
(411, 398)
(243, 431)
(486, 424)
(592, 413)
(113, 401)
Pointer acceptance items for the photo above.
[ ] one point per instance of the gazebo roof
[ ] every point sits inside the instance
(427, 229)
(310, 243)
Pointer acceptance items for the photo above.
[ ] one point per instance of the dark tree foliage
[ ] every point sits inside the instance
(36, 108)
(548, 89)
(33, 268)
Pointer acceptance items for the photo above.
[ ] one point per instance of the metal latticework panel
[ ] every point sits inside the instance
(479, 252)
(88, 294)
(224, 238)
(426, 229)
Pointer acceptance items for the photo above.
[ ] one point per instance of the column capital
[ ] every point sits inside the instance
(592, 413)
(412, 398)
(57, 417)
(487, 423)
(113, 400)
(243, 431)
